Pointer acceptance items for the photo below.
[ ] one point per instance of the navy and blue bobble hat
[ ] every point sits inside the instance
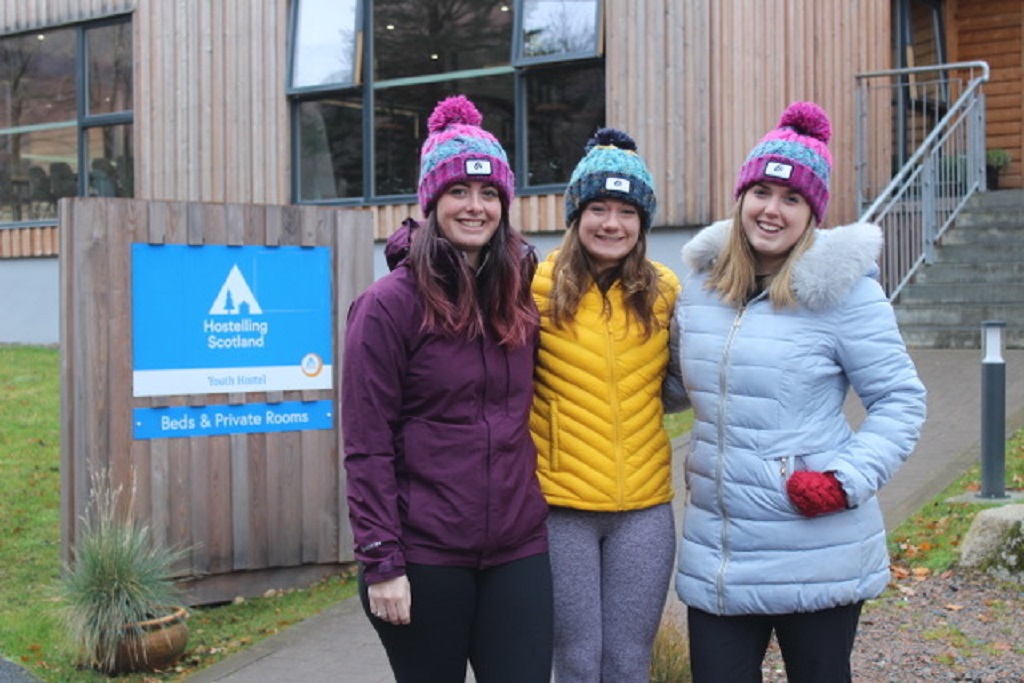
(611, 169)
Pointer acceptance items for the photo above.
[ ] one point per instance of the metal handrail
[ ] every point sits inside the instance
(921, 200)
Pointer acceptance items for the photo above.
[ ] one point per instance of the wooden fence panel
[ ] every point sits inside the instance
(254, 509)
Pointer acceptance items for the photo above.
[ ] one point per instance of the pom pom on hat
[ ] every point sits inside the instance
(457, 109)
(611, 168)
(795, 154)
(807, 118)
(457, 149)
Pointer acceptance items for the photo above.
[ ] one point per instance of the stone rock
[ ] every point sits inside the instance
(995, 543)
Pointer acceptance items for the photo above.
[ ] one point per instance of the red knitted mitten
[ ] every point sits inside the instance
(815, 493)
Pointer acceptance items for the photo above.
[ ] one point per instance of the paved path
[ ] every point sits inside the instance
(340, 645)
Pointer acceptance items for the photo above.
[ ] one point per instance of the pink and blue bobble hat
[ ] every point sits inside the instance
(457, 149)
(795, 154)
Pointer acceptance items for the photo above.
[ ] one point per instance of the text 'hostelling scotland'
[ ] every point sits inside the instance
(236, 334)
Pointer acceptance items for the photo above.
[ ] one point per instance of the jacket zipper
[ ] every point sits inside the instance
(613, 382)
(720, 458)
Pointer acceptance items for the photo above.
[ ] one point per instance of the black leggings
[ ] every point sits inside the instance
(816, 646)
(497, 619)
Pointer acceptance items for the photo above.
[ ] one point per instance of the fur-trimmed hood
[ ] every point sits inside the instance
(823, 276)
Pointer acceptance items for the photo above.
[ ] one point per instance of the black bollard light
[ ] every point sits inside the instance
(993, 411)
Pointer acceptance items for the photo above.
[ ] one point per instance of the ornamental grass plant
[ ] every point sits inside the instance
(119, 578)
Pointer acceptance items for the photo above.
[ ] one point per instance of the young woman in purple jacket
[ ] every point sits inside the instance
(446, 510)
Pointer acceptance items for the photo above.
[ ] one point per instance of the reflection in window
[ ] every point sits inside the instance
(563, 108)
(109, 70)
(327, 47)
(38, 133)
(37, 78)
(330, 154)
(46, 151)
(400, 125)
(419, 37)
(559, 27)
(111, 161)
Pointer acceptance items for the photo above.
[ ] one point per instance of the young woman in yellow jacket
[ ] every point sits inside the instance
(603, 453)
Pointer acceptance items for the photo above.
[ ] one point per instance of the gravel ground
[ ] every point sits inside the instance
(950, 627)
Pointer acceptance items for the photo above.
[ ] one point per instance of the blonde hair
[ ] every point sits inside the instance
(733, 274)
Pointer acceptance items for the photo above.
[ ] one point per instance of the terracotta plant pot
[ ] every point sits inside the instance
(160, 646)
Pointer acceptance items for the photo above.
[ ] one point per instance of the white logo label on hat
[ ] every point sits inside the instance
(617, 185)
(478, 167)
(777, 169)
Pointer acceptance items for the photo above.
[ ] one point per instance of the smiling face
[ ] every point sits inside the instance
(774, 218)
(608, 230)
(468, 214)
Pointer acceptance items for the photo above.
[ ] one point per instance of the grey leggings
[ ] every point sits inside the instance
(611, 575)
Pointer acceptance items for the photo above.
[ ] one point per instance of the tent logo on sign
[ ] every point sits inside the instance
(235, 296)
(235, 299)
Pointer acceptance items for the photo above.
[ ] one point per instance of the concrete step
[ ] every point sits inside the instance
(1010, 250)
(968, 272)
(960, 315)
(1007, 220)
(970, 292)
(986, 233)
(948, 337)
(997, 198)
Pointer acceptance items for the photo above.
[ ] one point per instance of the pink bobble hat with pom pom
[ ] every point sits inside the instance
(795, 154)
(459, 150)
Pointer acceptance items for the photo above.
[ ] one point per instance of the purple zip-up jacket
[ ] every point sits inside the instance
(440, 464)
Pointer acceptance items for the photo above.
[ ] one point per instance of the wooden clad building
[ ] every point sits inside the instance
(696, 82)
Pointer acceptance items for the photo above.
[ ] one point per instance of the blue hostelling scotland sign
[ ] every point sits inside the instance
(216, 319)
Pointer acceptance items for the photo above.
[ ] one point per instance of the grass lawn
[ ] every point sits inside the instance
(31, 629)
(929, 541)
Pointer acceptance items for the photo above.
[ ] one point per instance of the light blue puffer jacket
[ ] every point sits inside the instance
(767, 388)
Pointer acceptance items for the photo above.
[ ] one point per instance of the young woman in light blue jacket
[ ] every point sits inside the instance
(777, 320)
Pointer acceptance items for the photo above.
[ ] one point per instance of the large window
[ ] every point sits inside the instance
(365, 75)
(65, 118)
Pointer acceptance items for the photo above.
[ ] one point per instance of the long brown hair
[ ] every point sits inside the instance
(734, 271)
(574, 272)
(495, 298)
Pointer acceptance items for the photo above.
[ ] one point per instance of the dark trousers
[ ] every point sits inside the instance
(497, 619)
(816, 646)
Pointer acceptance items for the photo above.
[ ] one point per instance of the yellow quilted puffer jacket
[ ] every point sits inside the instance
(597, 411)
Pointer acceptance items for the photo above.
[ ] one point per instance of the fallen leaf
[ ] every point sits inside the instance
(954, 608)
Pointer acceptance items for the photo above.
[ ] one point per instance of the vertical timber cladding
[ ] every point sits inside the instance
(256, 510)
